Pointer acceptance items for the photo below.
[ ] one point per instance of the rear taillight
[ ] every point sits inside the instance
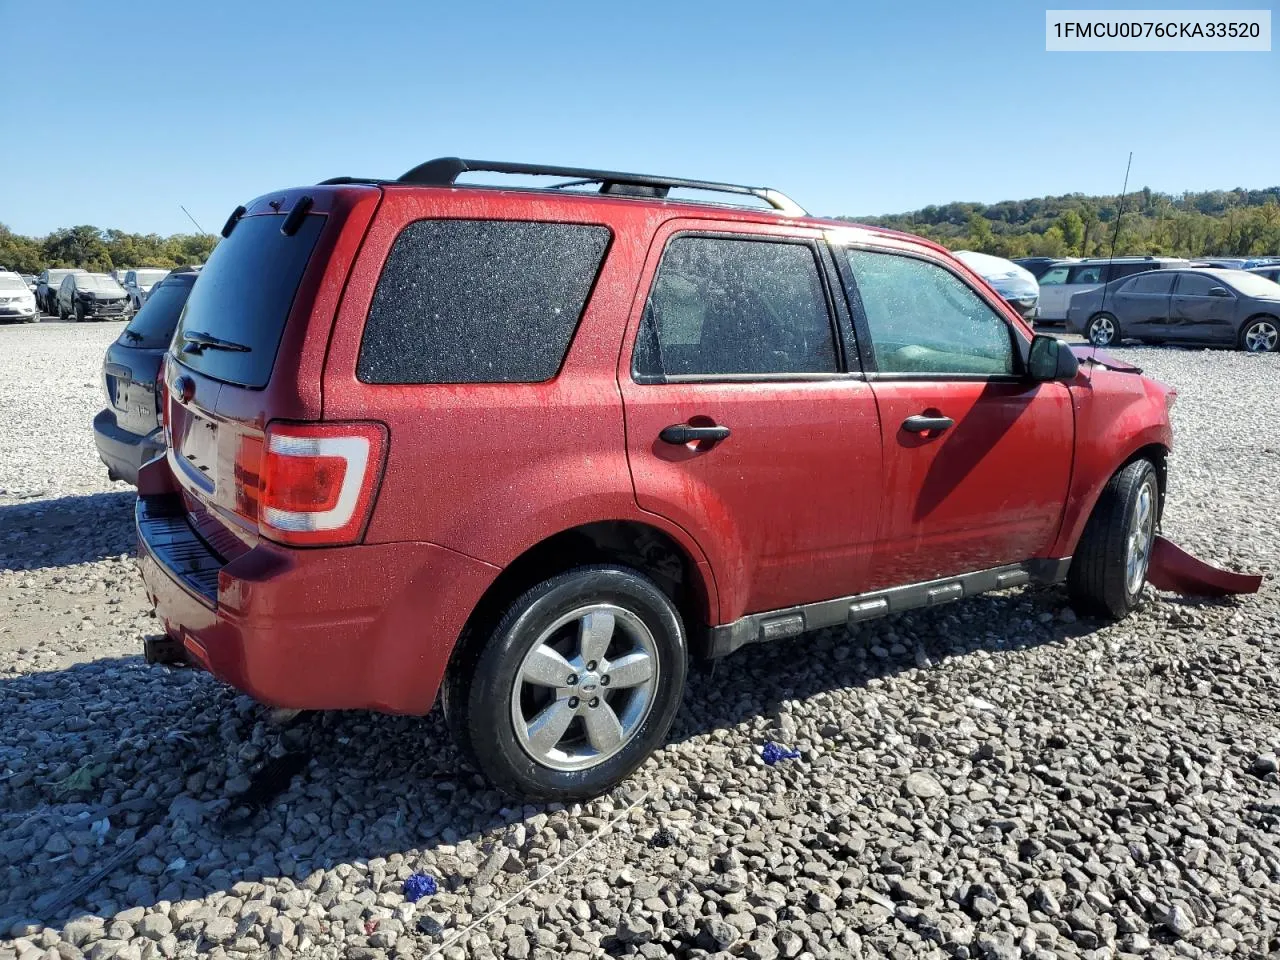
(310, 484)
(162, 415)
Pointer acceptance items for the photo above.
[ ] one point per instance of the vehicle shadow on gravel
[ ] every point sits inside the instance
(39, 534)
(157, 753)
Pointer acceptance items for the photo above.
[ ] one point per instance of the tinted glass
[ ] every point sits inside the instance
(1153, 282)
(1196, 285)
(924, 319)
(1089, 274)
(725, 306)
(99, 284)
(1119, 270)
(153, 325)
(1055, 276)
(479, 301)
(245, 293)
(11, 283)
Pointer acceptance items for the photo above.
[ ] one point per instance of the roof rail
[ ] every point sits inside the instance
(444, 171)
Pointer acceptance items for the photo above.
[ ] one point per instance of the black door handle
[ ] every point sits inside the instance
(922, 424)
(684, 433)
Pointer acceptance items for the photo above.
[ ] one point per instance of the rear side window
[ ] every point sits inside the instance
(243, 299)
(479, 301)
(153, 325)
(1153, 281)
(1090, 273)
(726, 306)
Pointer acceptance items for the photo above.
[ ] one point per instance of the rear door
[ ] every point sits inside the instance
(743, 425)
(1054, 299)
(982, 482)
(1142, 304)
(1200, 315)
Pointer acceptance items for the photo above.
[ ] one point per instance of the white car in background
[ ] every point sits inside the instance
(138, 284)
(17, 302)
(1016, 285)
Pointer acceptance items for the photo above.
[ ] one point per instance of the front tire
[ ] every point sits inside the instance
(1110, 563)
(1261, 335)
(79, 314)
(1103, 330)
(576, 685)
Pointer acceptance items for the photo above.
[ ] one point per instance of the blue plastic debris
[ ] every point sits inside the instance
(418, 886)
(772, 753)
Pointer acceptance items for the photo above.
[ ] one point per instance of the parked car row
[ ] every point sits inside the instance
(134, 284)
(17, 302)
(1210, 306)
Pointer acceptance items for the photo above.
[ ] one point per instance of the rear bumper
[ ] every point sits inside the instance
(360, 627)
(123, 452)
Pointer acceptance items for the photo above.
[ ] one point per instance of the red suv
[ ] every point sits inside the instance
(532, 449)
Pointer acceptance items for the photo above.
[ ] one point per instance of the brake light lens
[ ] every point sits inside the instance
(310, 484)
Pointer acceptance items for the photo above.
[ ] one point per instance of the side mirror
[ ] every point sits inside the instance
(1219, 292)
(1051, 359)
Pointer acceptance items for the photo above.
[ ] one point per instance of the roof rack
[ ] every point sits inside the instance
(444, 171)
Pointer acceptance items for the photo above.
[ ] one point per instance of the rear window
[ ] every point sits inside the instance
(153, 325)
(479, 301)
(243, 298)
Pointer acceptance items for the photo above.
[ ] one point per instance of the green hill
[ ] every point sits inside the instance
(1211, 223)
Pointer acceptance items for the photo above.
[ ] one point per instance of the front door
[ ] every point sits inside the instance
(742, 425)
(1200, 315)
(977, 457)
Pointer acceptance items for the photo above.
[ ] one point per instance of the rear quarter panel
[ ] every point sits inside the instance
(490, 470)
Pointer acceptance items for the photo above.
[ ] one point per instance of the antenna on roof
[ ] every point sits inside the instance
(193, 219)
(1115, 235)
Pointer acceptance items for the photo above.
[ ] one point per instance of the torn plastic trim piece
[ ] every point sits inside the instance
(1087, 352)
(1175, 570)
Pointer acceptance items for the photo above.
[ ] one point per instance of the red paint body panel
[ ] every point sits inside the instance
(988, 491)
(817, 492)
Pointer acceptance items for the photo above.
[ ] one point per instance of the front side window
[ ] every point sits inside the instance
(924, 319)
(1195, 285)
(727, 306)
(1057, 275)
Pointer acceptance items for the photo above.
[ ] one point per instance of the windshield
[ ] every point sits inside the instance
(56, 275)
(1252, 284)
(154, 323)
(146, 277)
(98, 282)
(12, 283)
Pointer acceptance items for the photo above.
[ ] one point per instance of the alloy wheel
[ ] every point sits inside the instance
(1261, 337)
(1138, 542)
(585, 687)
(1102, 331)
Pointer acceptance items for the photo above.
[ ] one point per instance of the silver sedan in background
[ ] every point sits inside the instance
(1230, 308)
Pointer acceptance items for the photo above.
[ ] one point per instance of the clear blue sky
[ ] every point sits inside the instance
(119, 112)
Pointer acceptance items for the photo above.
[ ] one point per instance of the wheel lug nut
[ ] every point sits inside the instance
(573, 703)
(604, 680)
(595, 701)
(573, 679)
(591, 665)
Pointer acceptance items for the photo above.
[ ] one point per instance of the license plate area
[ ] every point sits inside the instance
(198, 450)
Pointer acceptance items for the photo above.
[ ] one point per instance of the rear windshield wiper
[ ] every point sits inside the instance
(196, 341)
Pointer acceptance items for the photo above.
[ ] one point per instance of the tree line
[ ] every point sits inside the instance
(1223, 223)
(100, 251)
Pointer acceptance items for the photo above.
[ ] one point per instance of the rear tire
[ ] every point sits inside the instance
(1260, 335)
(1110, 563)
(546, 738)
(1103, 330)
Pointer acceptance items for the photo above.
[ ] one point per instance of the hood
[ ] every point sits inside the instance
(1086, 352)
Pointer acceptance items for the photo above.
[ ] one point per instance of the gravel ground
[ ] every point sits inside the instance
(994, 778)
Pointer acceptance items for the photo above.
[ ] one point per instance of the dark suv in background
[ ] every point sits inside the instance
(128, 431)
